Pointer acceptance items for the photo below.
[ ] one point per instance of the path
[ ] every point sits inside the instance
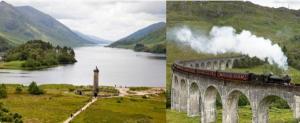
(123, 92)
(79, 111)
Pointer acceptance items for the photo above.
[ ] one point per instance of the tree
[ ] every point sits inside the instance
(3, 92)
(34, 89)
(284, 50)
(38, 54)
(19, 89)
(139, 47)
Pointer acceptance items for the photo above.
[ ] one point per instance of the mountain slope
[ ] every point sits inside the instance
(5, 45)
(20, 24)
(92, 39)
(152, 37)
(281, 25)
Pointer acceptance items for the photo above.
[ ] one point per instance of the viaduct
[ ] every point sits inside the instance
(196, 94)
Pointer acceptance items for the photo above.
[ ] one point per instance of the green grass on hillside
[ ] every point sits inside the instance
(153, 41)
(280, 25)
(132, 109)
(53, 107)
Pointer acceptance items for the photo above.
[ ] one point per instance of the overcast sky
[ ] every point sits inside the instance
(291, 4)
(113, 20)
(104, 19)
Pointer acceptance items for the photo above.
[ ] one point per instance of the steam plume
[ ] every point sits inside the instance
(225, 39)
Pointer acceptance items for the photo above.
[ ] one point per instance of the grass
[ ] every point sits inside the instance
(179, 117)
(131, 109)
(18, 65)
(270, 23)
(245, 116)
(12, 65)
(54, 106)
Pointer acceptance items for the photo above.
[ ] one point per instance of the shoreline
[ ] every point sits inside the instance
(62, 84)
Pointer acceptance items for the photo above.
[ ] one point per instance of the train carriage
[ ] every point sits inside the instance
(269, 78)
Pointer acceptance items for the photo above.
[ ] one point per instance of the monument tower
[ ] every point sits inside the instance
(96, 82)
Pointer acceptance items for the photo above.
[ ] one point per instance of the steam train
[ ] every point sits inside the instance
(258, 78)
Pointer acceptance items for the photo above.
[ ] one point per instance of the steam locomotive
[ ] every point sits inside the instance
(259, 78)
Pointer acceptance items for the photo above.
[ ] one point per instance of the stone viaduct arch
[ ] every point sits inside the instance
(196, 95)
(194, 99)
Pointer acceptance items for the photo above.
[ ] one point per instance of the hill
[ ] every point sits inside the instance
(5, 45)
(281, 25)
(92, 39)
(20, 24)
(149, 39)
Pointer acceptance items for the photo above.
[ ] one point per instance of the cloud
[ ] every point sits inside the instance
(110, 20)
(225, 39)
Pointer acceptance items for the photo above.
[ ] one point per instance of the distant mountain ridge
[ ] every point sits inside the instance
(152, 38)
(20, 24)
(92, 39)
(136, 36)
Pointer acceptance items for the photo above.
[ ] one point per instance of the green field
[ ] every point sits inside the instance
(54, 106)
(133, 109)
(18, 65)
(12, 65)
(245, 115)
(60, 102)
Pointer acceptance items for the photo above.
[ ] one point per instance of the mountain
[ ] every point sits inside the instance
(5, 45)
(92, 39)
(152, 38)
(20, 24)
(280, 25)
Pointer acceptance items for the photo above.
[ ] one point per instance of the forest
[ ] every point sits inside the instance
(37, 54)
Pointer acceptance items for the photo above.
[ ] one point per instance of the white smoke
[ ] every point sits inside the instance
(225, 39)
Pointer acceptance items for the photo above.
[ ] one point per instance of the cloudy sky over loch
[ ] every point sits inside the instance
(104, 19)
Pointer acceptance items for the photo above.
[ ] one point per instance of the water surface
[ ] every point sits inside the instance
(117, 66)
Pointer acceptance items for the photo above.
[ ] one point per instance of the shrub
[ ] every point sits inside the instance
(109, 89)
(144, 96)
(248, 62)
(7, 116)
(3, 92)
(139, 88)
(34, 89)
(159, 48)
(71, 89)
(19, 89)
(119, 100)
(140, 47)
